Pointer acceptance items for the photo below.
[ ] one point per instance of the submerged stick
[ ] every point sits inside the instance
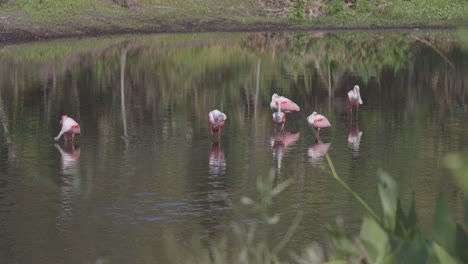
(363, 203)
(335, 175)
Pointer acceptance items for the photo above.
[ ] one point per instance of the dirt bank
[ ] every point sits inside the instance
(11, 36)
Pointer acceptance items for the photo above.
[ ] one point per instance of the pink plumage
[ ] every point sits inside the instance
(318, 121)
(354, 98)
(279, 118)
(216, 119)
(286, 104)
(70, 128)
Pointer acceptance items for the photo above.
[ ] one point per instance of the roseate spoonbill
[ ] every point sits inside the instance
(216, 119)
(279, 117)
(354, 98)
(286, 104)
(318, 121)
(70, 128)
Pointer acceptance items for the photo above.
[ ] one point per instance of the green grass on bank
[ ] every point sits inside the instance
(70, 17)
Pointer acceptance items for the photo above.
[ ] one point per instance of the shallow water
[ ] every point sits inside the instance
(146, 176)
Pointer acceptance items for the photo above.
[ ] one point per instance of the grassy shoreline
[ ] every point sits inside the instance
(25, 21)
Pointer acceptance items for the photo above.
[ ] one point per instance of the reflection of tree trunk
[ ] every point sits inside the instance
(409, 99)
(435, 49)
(463, 95)
(329, 88)
(16, 86)
(247, 98)
(319, 70)
(123, 60)
(53, 91)
(54, 80)
(307, 83)
(46, 109)
(76, 95)
(6, 131)
(256, 89)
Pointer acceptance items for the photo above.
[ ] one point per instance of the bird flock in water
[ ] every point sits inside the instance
(283, 105)
(216, 118)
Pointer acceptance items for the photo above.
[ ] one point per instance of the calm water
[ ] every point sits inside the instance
(146, 178)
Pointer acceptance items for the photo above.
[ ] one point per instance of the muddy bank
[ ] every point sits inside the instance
(13, 36)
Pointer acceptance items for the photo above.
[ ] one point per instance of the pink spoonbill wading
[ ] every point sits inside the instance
(354, 98)
(279, 117)
(216, 119)
(286, 105)
(318, 121)
(70, 128)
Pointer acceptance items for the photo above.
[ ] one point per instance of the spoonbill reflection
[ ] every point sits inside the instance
(317, 151)
(216, 179)
(70, 182)
(354, 136)
(70, 128)
(216, 119)
(216, 160)
(354, 98)
(279, 118)
(286, 104)
(280, 144)
(318, 121)
(70, 155)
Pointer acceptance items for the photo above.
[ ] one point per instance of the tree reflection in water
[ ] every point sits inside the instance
(156, 91)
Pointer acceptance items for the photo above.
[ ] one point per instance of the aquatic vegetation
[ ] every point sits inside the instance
(394, 237)
(397, 238)
(248, 239)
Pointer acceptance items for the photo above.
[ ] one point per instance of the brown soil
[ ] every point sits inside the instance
(19, 36)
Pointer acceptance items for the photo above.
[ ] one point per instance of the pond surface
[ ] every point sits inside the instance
(146, 178)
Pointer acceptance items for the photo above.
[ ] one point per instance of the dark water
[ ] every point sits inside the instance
(146, 179)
